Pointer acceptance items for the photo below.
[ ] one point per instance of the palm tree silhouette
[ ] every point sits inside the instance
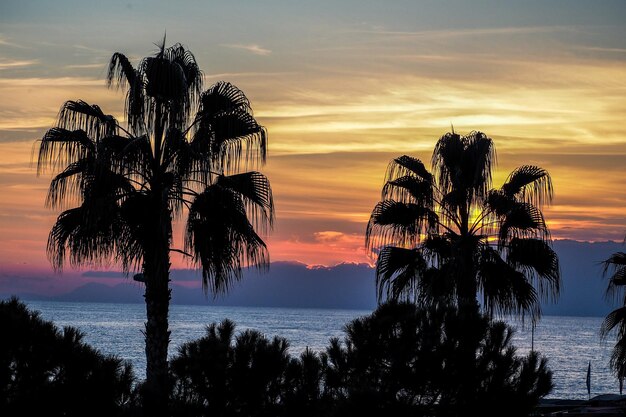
(449, 238)
(181, 148)
(616, 319)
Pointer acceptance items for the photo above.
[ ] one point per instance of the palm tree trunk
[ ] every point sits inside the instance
(157, 334)
(469, 316)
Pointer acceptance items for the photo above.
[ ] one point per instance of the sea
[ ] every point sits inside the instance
(571, 344)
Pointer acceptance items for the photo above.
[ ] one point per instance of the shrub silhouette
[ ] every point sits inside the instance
(222, 374)
(404, 360)
(46, 370)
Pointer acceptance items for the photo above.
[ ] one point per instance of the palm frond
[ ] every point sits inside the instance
(616, 319)
(446, 159)
(230, 137)
(537, 260)
(79, 115)
(255, 190)
(222, 239)
(223, 98)
(167, 97)
(616, 260)
(407, 166)
(463, 164)
(505, 290)
(616, 263)
(178, 55)
(181, 158)
(398, 272)
(409, 189)
(164, 80)
(479, 156)
(68, 185)
(397, 223)
(136, 158)
(531, 184)
(239, 137)
(88, 242)
(122, 75)
(452, 200)
(181, 56)
(439, 247)
(618, 358)
(499, 202)
(61, 147)
(617, 281)
(524, 220)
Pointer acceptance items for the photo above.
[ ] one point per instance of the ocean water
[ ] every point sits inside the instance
(569, 343)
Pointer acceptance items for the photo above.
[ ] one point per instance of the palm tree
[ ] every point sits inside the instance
(616, 319)
(449, 238)
(180, 152)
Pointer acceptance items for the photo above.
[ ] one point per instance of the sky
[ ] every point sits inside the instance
(342, 88)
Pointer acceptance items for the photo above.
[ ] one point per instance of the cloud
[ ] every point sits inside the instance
(335, 238)
(600, 49)
(252, 48)
(50, 82)
(85, 66)
(16, 64)
(462, 33)
(5, 41)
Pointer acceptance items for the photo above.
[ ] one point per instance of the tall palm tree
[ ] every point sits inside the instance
(182, 147)
(449, 238)
(615, 321)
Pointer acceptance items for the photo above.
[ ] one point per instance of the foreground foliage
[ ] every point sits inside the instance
(52, 372)
(248, 374)
(404, 360)
(401, 360)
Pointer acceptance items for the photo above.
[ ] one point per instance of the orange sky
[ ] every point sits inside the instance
(341, 90)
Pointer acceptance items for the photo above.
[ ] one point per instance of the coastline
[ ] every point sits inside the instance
(605, 405)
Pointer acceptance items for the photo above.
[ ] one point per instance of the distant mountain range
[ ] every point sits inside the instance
(351, 286)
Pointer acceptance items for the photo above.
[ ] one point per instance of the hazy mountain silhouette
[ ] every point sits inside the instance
(351, 286)
(583, 288)
(287, 284)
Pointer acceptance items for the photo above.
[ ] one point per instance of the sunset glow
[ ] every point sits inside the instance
(341, 89)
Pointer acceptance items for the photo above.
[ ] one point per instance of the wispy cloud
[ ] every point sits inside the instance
(15, 64)
(455, 33)
(601, 49)
(49, 82)
(6, 42)
(252, 48)
(91, 49)
(85, 66)
(251, 74)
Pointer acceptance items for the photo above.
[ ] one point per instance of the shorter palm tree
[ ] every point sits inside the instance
(615, 321)
(448, 237)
